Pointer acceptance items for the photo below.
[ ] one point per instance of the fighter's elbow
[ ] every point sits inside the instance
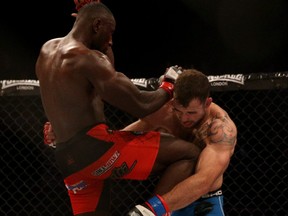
(206, 185)
(204, 188)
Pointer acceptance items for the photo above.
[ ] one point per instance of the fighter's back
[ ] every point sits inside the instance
(75, 75)
(69, 99)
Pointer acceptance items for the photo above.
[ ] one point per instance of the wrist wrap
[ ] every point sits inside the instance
(158, 206)
(168, 87)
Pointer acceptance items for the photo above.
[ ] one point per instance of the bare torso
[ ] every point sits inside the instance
(165, 121)
(74, 82)
(69, 100)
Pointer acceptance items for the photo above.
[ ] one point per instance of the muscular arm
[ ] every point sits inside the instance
(118, 90)
(220, 138)
(154, 121)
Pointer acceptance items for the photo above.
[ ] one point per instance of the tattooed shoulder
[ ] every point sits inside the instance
(221, 130)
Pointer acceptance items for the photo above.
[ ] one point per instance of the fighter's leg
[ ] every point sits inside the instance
(175, 161)
(179, 157)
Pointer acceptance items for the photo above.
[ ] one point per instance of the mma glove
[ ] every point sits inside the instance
(169, 78)
(155, 206)
(49, 138)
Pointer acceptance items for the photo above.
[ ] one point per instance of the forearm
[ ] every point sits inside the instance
(148, 87)
(208, 177)
(186, 192)
(149, 102)
(118, 91)
(166, 84)
(183, 194)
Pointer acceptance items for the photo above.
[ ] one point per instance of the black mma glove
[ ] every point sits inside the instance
(169, 79)
(155, 206)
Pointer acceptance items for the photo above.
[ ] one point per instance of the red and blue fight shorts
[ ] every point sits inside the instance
(96, 154)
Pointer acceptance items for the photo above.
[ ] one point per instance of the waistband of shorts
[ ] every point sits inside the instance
(78, 135)
(213, 194)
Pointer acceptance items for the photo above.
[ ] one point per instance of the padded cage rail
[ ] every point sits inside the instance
(225, 82)
(256, 182)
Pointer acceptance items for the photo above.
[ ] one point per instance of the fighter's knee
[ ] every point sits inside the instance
(194, 152)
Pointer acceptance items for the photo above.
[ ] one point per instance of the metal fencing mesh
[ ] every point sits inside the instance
(256, 182)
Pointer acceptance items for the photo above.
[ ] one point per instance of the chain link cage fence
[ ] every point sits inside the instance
(256, 182)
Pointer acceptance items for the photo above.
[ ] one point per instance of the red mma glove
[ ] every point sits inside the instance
(168, 79)
(49, 136)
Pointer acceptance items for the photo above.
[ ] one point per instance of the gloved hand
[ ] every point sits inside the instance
(140, 210)
(49, 136)
(168, 79)
(155, 206)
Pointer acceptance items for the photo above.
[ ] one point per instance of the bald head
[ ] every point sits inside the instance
(95, 14)
(94, 27)
(95, 9)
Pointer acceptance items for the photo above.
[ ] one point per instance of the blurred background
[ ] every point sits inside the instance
(214, 36)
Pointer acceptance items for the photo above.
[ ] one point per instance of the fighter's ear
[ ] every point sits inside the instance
(96, 24)
(208, 102)
(74, 15)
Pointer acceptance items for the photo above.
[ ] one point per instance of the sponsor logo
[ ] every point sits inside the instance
(119, 172)
(142, 82)
(77, 187)
(217, 193)
(103, 169)
(223, 79)
(20, 84)
(219, 84)
(13, 87)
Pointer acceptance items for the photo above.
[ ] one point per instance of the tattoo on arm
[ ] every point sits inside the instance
(222, 130)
